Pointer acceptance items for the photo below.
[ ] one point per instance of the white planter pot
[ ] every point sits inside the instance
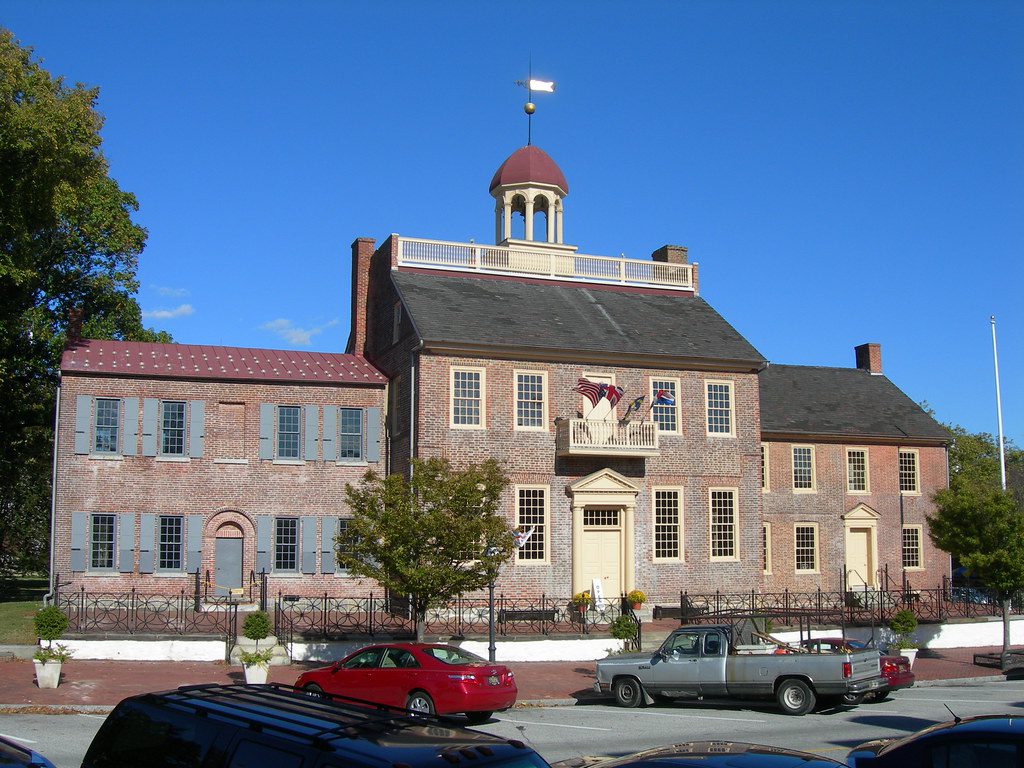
(256, 674)
(47, 674)
(910, 653)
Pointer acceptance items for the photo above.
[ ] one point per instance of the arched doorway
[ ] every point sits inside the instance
(228, 554)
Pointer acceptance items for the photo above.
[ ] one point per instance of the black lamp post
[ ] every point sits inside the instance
(491, 647)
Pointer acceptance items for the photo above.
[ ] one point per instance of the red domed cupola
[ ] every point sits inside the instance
(530, 164)
(528, 182)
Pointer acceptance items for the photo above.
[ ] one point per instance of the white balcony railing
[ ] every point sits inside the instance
(552, 264)
(583, 437)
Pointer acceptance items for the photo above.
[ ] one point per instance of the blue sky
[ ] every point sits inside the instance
(843, 172)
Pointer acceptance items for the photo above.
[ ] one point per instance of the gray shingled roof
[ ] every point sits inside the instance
(481, 311)
(800, 399)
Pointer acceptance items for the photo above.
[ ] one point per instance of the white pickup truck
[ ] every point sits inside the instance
(701, 662)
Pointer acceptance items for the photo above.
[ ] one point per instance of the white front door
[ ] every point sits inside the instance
(601, 554)
(860, 571)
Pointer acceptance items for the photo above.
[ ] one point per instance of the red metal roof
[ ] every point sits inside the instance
(530, 164)
(190, 361)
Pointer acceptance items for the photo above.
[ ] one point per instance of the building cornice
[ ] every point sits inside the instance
(851, 439)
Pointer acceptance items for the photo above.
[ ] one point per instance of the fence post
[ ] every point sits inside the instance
(129, 620)
(197, 603)
(369, 616)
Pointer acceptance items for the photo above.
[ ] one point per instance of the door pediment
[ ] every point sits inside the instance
(862, 513)
(606, 487)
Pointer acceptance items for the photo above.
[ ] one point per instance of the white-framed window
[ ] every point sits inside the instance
(396, 425)
(532, 513)
(468, 397)
(668, 524)
(719, 405)
(531, 400)
(286, 544)
(857, 470)
(665, 414)
(102, 541)
(172, 428)
(805, 554)
(912, 535)
(803, 469)
(350, 434)
(722, 504)
(170, 545)
(909, 481)
(765, 468)
(289, 431)
(106, 425)
(766, 548)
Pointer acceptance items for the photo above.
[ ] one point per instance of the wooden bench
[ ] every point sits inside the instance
(526, 614)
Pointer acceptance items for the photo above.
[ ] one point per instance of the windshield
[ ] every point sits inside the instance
(449, 654)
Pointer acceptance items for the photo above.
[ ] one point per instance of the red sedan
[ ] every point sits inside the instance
(422, 677)
(896, 669)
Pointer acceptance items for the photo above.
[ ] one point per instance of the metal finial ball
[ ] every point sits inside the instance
(529, 107)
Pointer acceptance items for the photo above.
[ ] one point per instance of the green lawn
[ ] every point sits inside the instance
(19, 600)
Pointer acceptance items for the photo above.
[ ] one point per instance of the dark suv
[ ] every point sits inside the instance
(250, 726)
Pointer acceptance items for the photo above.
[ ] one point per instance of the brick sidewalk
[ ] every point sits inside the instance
(104, 683)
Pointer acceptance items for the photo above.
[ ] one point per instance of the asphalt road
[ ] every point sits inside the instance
(604, 729)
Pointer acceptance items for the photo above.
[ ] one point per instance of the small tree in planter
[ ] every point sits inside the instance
(623, 628)
(256, 663)
(581, 601)
(50, 623)
(903, 623)
(636, 598)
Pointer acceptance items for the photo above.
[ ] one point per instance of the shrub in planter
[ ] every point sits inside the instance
(903, 623)
(256, 626)
(636, 598)
(623, 628)
(50, 623)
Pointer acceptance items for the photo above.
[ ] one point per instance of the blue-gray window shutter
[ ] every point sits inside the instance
(147, 528)
(329, 530)
(266, 431)
(126, 541)
(309, 544)
(150, 406)
(195, 543)
(83, 420)
(312, 430)
(131, 426)
(79, 523)
(264, 536)
(196, 428)
(373, 434)
(330, 430)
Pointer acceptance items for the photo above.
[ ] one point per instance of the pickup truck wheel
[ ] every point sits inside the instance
(795, 697)
(853, 699)
(628, 692)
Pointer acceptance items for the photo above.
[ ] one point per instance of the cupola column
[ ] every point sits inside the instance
(507, 231)
(498, 217)
(528, 215)
(558, 224)
(550, 217)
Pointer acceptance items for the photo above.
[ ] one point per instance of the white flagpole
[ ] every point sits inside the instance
(999, 406)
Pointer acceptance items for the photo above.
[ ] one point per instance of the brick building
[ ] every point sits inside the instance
(730, 474)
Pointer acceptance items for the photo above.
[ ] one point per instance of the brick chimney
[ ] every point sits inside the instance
(869, 358)
(362, 254)
(74, 325)
(670, 254)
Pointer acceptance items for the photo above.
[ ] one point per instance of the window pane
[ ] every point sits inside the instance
(908, 471)
(764, 469)
(288, 431)
(101, 546)
(856, 471)
(806, 548)
(351, 445)
(720, 409)
(911, 547)
(803, 468)
(172, 428)
(169, 548)
(286, 544)
(666, 524)
(723, 524)
(530, 514)
(342, 545)
(529, 400)
(466, 397)
(766, 548)
(664, 415)
(107, 423)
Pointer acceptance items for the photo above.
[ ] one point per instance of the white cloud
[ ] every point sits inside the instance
(174, 293)
(302, 337)
(182, 310)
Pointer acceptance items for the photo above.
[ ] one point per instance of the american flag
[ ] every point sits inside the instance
(590, 390)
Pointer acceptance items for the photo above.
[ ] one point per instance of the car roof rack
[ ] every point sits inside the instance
(283, 710)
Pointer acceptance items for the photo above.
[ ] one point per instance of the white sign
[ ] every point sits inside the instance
(597, 593)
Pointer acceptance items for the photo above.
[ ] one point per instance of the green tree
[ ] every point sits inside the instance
(978, 523)
(431, 537)
(67, 241)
